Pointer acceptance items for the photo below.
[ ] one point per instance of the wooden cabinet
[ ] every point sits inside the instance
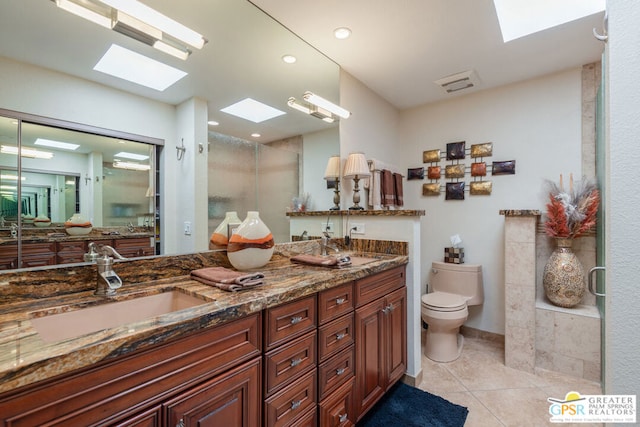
(38, 254)
(380, 336)
(134, 247)
(290, 377)
(129, 390)
(227, 400)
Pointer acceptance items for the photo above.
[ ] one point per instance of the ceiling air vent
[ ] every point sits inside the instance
(459, 81)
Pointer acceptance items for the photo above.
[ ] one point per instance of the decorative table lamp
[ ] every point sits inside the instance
(356, 168)
(333, 173)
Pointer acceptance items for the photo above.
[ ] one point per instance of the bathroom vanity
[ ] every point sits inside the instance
(313, 346)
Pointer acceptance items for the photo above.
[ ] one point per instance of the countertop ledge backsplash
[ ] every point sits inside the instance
(26, 358)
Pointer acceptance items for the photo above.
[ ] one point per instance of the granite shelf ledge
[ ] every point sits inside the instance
(393, 213)
(520, 212)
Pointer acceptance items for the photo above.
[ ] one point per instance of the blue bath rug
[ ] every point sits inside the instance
(408, 406)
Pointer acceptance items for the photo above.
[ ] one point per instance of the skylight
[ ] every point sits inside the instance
(131, 66)
(519, 18)
(131, 156)
(250, 109)
(56, 144)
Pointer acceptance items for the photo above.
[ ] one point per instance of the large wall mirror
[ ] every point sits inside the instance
(243, 58)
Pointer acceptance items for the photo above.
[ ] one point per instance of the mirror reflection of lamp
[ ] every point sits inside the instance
(333, 173)
(356, 168)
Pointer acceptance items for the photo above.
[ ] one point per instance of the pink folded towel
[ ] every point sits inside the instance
(330, 261)
(228, 280)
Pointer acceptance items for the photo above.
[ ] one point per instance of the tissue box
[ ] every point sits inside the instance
(454, 255)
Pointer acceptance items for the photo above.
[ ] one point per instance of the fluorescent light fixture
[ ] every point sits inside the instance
(138, 21)
(12, 177)
(312, 110)
(26, 152)
(8, 187)
(256, 135)
(86, 13)
(56, 144)
(131, 66)
(131, 166)
(213, 123)
(519, 18)
(156, 19)
(131, 156)
(250, 109)
(314, 99)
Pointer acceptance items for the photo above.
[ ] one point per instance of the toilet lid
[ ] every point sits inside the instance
(443, 301)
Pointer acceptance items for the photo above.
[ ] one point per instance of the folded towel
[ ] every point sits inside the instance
(397, 179)
(228, 280)
(330, 261)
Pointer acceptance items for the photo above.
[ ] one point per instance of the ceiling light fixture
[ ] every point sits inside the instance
(213, 123)
(318, 101)
(138, 21)
(289, 59)
(342, 33)
(131, 166)
(26, 152)
(312, 110)
(131, 156)
(56, 144)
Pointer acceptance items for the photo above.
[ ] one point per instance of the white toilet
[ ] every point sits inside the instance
(444, 310)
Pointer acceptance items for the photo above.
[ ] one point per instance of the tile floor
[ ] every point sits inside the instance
(495, 394)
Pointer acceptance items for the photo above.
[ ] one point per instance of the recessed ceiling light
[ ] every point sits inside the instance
(131, 66)
(212, 123)
(56, 144)
(131, 156)
(289, 59)
(256, 135)
(250, 109)
(342, 33)
(519, 18)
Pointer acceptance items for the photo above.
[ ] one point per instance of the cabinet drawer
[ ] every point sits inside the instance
(73, 246)
(292, 402)
(376, 286)
(288, 321)
(308, 420)
(337, 409)
(335, 336)
(287, 362)
(335, 371)
(334, 302)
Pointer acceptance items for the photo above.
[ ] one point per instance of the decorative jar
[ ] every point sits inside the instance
(220, 237)
(563, 277)
(252, 245)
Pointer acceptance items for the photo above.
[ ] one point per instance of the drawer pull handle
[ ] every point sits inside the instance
(295, 404)
(180, 423)
(388, 309)
(340, 336)
(340, 301)
(342, 418)
(296, 319)
(295, 362)
(340, 371)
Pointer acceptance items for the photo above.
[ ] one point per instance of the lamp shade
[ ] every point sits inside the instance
(356, 166)
(333, 168)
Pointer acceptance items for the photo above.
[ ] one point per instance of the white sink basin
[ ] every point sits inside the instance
(61, 326)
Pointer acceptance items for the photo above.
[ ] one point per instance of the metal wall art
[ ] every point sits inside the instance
(415, 173)
(456, 153)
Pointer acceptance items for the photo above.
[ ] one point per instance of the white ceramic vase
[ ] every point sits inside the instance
(252, 245)
(220, 237)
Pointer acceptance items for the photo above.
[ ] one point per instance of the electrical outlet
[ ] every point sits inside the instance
(187, 228)
(325, 226)
(357, 227)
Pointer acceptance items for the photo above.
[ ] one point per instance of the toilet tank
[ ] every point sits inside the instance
(460, 279)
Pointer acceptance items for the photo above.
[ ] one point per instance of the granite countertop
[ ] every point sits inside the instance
(26, 358)
(36, 235)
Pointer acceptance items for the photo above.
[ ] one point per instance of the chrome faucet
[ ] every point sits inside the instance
(325, 243)
(107, 279)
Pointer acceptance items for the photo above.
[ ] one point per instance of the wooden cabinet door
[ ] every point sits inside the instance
(396, 335)
(230, 400)
(370, 336)
(149, 418)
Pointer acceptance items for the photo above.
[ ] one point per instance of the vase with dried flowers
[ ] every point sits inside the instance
(570, 214)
